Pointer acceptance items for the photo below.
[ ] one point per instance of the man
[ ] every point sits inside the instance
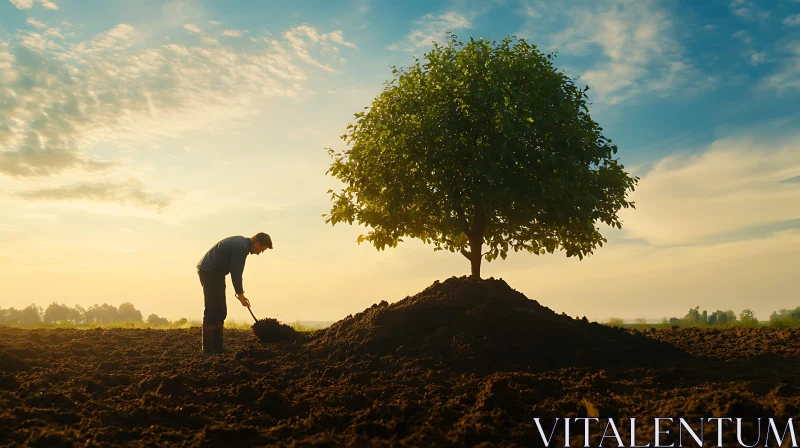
(227, 256)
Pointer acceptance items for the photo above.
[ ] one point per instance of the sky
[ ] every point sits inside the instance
(135, 135)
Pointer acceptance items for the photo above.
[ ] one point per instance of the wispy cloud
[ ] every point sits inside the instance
(787, 75)
(192, 28)
(792, 20)
(35, 158)
(633, 46)
(233, 33)
(755, 57)
(60, 100)
(747, 10)
(28, 4)
(130, 192)
(303, 39)
(433, 28)
(118, 38)
(22, 4)
(737, 184)
(758, 57)
(36, 23)
(744, 36)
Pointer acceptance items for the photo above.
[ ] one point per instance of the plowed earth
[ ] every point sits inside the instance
(464, 363)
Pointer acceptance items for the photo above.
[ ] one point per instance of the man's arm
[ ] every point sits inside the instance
(237, 267)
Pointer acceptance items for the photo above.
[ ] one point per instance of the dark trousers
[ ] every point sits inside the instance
(216, 310)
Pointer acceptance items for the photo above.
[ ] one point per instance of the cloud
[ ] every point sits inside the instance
(633, 46)
(130, 192)
(22, 4)
(336, 38)
(54, 32)
(787, 75)
(33, 158)
(791, 180)
(59, 101)
(734, 186)
(433, 28)
(36, 41)
(46, 4)
(747, 10)
(758, 57)
(303, 39)
(744, 36)
(755, 57)
(36, 23)
(232, 33)
(213, 22)
(192, 28)
(117, 38)
(792, 20)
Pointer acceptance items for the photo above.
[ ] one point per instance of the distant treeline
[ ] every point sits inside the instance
(697, 318)
(57, 313)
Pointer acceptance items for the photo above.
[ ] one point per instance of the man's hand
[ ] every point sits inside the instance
(243, 299)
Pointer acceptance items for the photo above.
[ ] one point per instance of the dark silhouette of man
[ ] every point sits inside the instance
(225, 257)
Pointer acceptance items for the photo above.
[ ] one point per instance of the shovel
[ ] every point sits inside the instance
(251, 313)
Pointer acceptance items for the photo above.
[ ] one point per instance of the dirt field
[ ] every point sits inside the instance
(463, 363)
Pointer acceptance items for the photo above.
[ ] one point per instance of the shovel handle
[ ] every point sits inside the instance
(251, 313)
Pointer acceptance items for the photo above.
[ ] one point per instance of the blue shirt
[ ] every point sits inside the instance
(227, 256)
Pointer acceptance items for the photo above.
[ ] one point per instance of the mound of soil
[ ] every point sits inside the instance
(485, 325)
(270, 330)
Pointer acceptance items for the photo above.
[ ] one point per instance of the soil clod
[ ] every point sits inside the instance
(270, 330)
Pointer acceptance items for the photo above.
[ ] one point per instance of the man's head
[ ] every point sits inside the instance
(259, 243)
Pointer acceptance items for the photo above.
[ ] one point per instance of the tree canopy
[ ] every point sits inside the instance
(483, 143)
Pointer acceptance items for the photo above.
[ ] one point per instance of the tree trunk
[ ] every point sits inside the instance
(475, 247)
(474, 234)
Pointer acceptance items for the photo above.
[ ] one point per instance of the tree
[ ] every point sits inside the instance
(722, 317)
(77, 315)
(11, 316)
(747, 317)
(30, 315)
(483, 144)
(694, 317)
(615, 322)
(128, 313)
(56, 313)
(153, 319)
(102, 314)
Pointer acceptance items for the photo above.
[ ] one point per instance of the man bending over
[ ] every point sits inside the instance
(227, 256)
